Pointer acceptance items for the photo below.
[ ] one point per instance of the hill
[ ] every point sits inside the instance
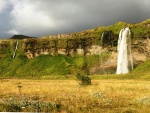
(21, 37)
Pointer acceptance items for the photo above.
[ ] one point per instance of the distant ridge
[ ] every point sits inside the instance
(20, 37)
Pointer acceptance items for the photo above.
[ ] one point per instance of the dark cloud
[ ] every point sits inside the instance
(38, 17)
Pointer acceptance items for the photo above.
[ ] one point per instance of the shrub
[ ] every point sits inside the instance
(84, 79)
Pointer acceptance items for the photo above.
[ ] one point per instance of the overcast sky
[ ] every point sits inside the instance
(46, 17)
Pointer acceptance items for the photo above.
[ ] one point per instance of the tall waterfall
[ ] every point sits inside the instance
(124, 62)
(15, 50)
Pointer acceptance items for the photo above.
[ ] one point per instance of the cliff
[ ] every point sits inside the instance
(86, 43)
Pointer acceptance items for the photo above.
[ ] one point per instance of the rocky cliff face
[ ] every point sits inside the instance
(35, 47)
(90, 42)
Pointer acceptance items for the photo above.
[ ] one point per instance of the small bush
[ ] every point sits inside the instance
(84, 79)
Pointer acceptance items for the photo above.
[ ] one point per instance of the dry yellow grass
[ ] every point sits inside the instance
(103, 96)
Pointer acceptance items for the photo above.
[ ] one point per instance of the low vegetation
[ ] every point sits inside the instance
(84, 79)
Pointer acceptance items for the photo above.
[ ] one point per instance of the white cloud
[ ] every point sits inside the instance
(27, 17)
(3, 5)
(13, 32)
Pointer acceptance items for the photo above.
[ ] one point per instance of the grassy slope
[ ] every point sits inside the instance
(143, 68)
(142, 71)
(42, 65)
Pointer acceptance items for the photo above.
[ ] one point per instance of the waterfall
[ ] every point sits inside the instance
(15, 50)
(124, 62)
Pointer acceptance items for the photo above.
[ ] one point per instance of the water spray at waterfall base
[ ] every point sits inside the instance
(124, 62)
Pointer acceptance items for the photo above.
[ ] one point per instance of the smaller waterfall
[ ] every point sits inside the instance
(15, 50)
(124, 62)
(102, 37)
(100, 54)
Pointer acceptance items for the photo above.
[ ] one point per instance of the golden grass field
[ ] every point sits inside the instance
(68, 96)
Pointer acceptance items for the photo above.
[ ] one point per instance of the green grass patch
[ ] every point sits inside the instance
(41, 65)
(45, 65)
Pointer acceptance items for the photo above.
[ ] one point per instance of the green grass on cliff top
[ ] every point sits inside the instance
(139, 30)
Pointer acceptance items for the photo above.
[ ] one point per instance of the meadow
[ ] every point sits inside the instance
(69, 96)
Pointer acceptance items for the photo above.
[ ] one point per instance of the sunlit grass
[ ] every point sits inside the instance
(107, 96)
